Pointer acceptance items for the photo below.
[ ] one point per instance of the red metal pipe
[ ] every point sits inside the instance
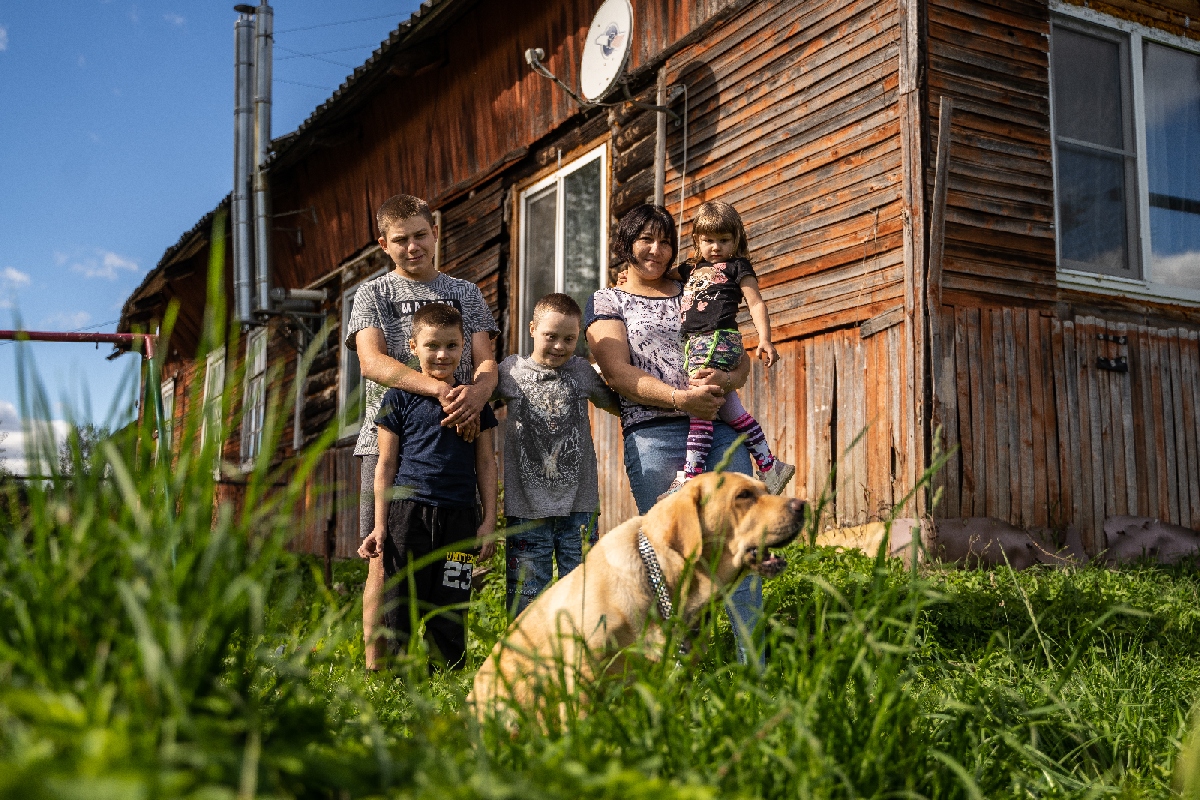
(59, 336)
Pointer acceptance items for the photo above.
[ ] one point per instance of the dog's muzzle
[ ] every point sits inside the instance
(768, 564)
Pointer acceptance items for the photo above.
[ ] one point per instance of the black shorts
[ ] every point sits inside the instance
(414, 531)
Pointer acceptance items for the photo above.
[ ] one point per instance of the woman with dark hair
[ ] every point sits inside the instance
(633, 332)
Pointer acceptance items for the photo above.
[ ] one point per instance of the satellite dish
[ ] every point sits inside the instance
(606, 50)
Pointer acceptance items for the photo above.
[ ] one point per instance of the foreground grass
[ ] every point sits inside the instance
(157, 642)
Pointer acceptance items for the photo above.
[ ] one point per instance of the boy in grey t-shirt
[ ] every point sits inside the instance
(551, 494)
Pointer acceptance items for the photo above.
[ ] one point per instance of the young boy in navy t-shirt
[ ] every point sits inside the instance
(439, 472)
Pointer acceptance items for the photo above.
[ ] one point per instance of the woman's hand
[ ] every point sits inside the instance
(700, 401)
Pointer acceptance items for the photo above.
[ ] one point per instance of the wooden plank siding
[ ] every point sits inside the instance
(992, 58)
(1107, 443)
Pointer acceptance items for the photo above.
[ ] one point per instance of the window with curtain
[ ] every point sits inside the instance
(167, 390)
(214, 391)
(564, 236)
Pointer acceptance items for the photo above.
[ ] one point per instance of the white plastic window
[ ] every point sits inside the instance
(254, 397)
(564, 236)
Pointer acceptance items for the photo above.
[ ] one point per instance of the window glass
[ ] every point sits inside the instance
(1094, 156)
(214, 388)
(167, 390)
(581, 239)
(254, 399)
(1172, 100)
(541, 215)
(563, 241)
(1087, 86)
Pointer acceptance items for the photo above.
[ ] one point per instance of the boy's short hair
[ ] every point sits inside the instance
(645, 217)
(436, 315)
(562, 303)
(400, 207)
(716, 217)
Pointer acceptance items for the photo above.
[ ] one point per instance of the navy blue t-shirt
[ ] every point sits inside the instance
(436, 463)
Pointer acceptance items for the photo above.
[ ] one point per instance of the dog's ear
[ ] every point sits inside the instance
(675, 521)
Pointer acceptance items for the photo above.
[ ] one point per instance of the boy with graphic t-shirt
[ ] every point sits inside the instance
(550, 484)
(380, 328)
(439, 473)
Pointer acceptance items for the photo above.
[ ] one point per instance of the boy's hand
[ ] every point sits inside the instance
(468, 430)
(487, 544)
(767, 352)
(372, 546)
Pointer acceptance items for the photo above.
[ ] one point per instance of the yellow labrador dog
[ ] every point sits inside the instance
(725, 524)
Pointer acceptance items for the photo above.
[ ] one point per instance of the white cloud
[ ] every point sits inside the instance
(175, 19)
(81, 61)
(133, 14)
(15, 438)
(102, 264)
(68, 320)
(1180, 269)
(3, 38)
(12, 278)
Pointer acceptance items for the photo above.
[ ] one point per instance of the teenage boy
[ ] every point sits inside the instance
(550, 485)
(439, 472)
(380, 329)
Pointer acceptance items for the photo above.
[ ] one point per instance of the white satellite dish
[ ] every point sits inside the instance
(606, 50)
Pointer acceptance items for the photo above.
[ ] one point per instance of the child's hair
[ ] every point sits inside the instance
(401, 207)
(436, 315)
(562, 303)
(645, 217)
(715, 217)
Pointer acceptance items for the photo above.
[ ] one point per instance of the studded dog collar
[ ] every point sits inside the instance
(654, 572)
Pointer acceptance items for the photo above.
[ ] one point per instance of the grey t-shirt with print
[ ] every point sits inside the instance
(388, 303)
(549, 458)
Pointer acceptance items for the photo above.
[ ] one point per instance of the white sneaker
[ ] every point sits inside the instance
(777, 477)
(676, 485)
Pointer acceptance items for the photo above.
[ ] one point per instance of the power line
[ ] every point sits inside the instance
(372, 45)
(313, 57)
(309, 85)
(332, 24)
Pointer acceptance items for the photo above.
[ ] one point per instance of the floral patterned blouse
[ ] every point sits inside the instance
(652, 325)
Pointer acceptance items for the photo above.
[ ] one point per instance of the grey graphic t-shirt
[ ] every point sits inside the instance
(549, 459)
(388, 303)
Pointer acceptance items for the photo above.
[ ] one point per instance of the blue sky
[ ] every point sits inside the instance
(115, 138)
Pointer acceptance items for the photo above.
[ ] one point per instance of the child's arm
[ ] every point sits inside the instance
(761, 319)
(485, 472)
(385, 475)
(601, 395)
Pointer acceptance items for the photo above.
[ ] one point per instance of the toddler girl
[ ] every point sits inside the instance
(716, 278)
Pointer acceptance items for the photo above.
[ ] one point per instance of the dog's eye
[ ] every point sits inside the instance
(745, 494)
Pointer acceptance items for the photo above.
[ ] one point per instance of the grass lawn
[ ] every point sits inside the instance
(156, 643)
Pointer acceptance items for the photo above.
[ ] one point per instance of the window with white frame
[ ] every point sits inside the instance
(350, 379)
(1126, 117)
(214, 390)
(564, 236)
(254, 396)
(167, 390)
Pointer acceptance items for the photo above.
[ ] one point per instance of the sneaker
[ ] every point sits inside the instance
(676, 485)
(777, 477)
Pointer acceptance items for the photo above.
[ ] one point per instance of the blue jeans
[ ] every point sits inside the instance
(532, 548)
(653, 454)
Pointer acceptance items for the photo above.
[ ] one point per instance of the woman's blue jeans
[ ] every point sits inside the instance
(653, 454)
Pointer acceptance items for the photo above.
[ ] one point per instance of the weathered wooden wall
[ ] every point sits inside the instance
(1046, 438)
(992, 58)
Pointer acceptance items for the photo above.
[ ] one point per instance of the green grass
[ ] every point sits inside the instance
(156, 643)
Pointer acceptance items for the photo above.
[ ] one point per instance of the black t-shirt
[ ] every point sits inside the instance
(712, 294)
(436, 463)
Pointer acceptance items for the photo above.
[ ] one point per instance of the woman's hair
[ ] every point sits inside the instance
(642, 219)
(715, 217)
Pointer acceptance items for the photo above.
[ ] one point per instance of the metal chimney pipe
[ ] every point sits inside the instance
(243, 235)
(264, 44)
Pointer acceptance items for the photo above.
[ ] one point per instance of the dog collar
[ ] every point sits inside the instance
(654, 572)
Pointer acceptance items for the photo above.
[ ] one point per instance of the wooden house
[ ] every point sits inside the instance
(1033, 307)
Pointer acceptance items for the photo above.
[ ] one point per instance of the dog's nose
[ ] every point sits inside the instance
(796, 506)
